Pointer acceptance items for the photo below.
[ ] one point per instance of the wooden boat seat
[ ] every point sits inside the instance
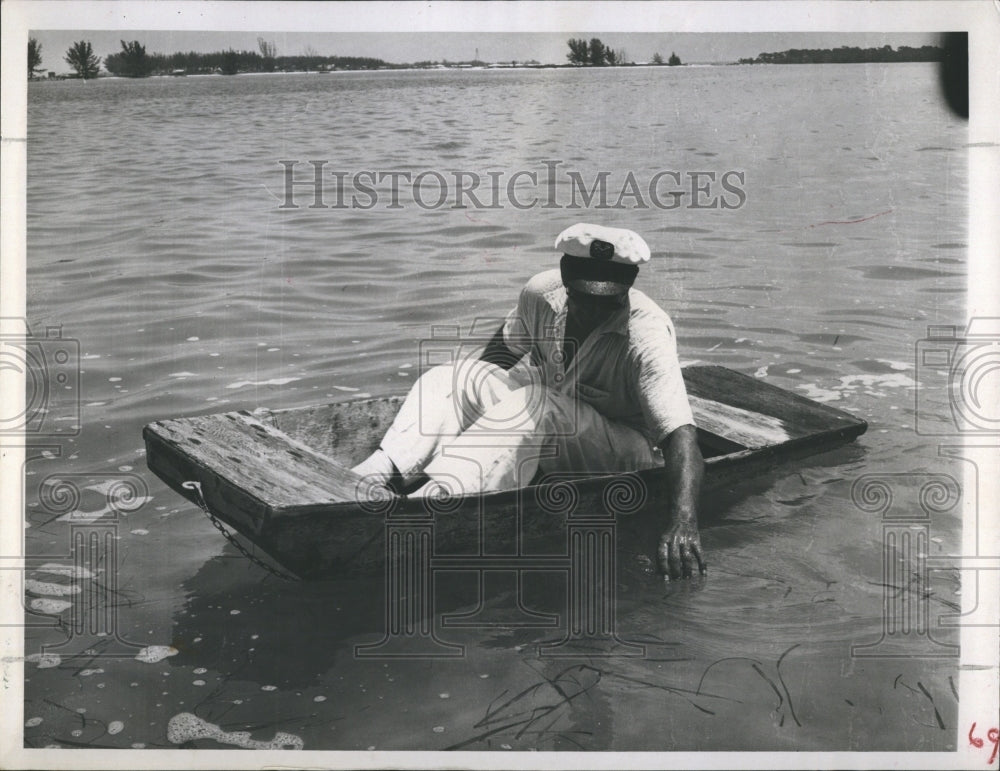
(258, 458)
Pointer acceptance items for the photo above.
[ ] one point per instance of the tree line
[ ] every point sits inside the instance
(594, 53)
(132, 61)
(847, 55)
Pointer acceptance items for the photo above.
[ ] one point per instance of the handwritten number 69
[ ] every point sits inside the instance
(993, 736)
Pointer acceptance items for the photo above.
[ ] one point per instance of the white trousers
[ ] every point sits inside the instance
(474, 427)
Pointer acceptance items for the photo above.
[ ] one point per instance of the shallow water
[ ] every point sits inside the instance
(155, 238)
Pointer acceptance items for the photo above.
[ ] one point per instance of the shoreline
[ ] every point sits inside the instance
(499, 68)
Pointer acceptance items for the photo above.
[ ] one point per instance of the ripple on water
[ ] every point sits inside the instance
(901, 273)
(832, 338)
(689, 256)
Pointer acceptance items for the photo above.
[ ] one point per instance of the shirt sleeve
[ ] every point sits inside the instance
(518, 324)
(660, 384)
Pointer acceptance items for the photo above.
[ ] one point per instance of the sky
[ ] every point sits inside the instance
(403, 47)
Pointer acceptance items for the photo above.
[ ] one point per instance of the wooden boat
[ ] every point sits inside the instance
(282, 478)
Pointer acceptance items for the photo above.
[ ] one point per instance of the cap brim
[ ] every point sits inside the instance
(601, 288)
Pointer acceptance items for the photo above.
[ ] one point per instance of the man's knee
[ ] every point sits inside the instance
(531, 408)
(465, 375)
(455, 380)
(518, 410)
(441, 375)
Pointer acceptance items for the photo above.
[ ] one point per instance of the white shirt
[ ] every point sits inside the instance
(627, 368)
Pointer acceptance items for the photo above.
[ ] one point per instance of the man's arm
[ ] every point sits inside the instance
(498, 353)
(680, 544)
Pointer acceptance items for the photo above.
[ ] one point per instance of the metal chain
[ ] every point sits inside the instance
(196, 486)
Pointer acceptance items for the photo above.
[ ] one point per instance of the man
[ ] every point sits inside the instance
(582, 377)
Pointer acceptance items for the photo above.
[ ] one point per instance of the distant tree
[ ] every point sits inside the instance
(269, 51)
(593, 53)
(598, 52)
(674, 59)
(80, 56)
(657, 59)
(230, 62)
(309, 59)
(579, 51)
(34, 56)
(130, 62)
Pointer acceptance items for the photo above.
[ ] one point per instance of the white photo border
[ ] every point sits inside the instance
(980, 18)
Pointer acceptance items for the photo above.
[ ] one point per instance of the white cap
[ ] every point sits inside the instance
(603, 243)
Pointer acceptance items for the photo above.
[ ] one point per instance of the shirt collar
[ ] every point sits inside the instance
(616, 323)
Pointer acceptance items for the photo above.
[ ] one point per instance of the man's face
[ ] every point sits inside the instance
(592, 309)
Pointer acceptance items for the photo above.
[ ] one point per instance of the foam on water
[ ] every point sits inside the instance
(872, 385)
(104, 487)
(54, 590)
(152, 654)
(50, 607)
(45, 660)
(78, 516)
(902, 366)
(70, 571)
(186, 727)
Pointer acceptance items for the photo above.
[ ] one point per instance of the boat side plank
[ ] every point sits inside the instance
(260, 459)
(749, 429)
(800, 416)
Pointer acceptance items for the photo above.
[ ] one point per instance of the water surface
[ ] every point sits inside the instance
(157, 239)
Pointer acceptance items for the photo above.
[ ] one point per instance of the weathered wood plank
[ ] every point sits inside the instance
(237, 507)
(749, 429)
(801, 416)
(346, 432)
(259, 458)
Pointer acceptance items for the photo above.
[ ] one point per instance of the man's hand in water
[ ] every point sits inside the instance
(680, 551)
(680, 544)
